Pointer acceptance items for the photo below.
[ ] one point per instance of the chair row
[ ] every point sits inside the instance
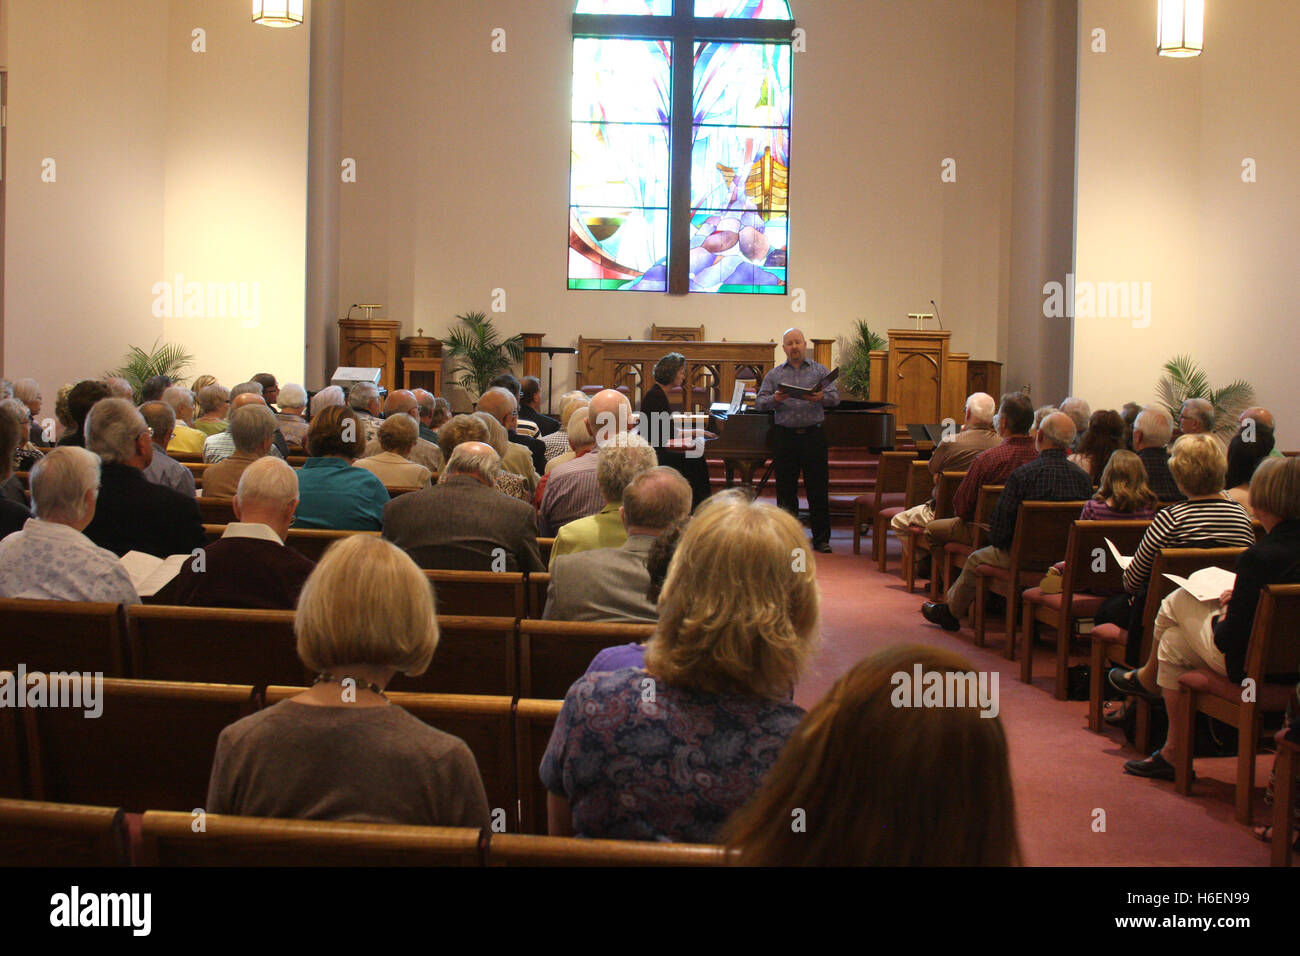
(54, 834)
(476, 655)
(312, 542)
(152, 743)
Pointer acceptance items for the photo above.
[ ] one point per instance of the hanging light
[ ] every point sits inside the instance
(277, 13)
(1181, 31)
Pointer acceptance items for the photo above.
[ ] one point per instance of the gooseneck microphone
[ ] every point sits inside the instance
(936, 313)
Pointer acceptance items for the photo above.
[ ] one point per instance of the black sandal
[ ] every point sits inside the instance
(1126, 682)
(1265, 835)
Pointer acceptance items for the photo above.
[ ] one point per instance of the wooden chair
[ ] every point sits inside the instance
(216, 510)
(1284, 799)
(1089, 568)
(63, 636)
(312, 542)
(1109, 640)
(554, 654)
(219, 645)
(535, 587)
(954, 552)
(473, 592)
(544, 546)
(33, 833)
(151, 746)
(485, 723)
(891, 488)
(945, 488)
(1274, 650)
(169, 839)
(1042, 532)
(919, 483)
(505, 849)
(476, 655)
(534, 723)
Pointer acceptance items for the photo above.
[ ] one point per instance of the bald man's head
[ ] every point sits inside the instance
(1056, 431)
(246, 398)
(400, 402)
(500, 404)
(794, 346)
(1260, 416)
(608, 415)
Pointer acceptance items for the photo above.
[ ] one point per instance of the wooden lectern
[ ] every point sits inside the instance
(923, 379)
(370, 343)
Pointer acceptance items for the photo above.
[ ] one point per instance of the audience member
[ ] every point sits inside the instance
(363, 398)
(250, 566)
(1194, 635)
(578, 439)
(463, 522)
(1151, 433)
(527, 457)
(1255, 414)
(620, 461)
(1244, 456)
(81, 399)
(1105, 435)
(1206, 519)
(557, 442)
(394, 465)
(221, 446)
(62, 413)
(1012, 423)
(1079, 412)
(1040, 413)
(738, 622)
(270, 388)
(1049, 477)
(573, 491)
(50, 558)
(186, 439)
(252, 429)
(482, 428)
(1129, 413)
(1196, 417)
(132, 513)
(675, 446)
(120, 388)
(1124, 493)
(26, 454)
(28, 391)
(425, 405)
(202, 382)
(426, 453)
(956, 452)
(884, 785)
(214, 402)
(530, 407)
(512, 483)
(331, 493)
(151, 389)
(341, 750)
(291, 417)
(13, 513)
(611, 583)
(163, 469)
(325, 398)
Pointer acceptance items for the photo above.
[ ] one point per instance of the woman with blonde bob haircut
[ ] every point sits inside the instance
(340, 750)
(883, 785)
(668, 752)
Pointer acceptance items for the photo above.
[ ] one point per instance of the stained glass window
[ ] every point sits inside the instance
(726, 228)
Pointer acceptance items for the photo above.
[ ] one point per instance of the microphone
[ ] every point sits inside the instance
(936, 314)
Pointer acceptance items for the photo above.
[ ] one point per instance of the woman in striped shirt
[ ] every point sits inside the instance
(1207, 519)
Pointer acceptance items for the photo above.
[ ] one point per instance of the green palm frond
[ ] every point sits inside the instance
(482, 355)
(138, 365)
(855, 358)
(1184, 378)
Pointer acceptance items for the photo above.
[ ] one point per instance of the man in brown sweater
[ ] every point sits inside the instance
(250, 566)
(252, 428)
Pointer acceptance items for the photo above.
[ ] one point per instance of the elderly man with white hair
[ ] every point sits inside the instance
(290, 417)
(463, 523)
(132, 513)
(1196, 417)
(363, 398)
(1080, 413)
(252, 432)
(327, 396)
(1049, 477)
(165, 470)
(573, 491)
(250, 566)
(221, 446)
(28, 391)
(186, 439)
(955, 453)
(1152, 431)
(50, 558)
(620, 461)
(557, 442)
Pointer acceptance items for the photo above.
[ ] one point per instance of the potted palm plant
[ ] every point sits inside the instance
(855, 359)
(138, 366)
(482, 355)
(1184, 378)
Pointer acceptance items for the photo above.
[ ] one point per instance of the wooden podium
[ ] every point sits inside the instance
(922, 378)
(370, 343)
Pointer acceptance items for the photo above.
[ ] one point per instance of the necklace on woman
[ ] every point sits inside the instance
(328, 678)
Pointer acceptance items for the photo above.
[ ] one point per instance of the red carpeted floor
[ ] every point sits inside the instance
(1063, 773)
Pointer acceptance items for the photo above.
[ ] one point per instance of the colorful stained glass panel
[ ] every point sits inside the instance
(621, 81)
(740, 164)
(735, 250)
(657, 8)
(615, 248)
(742, 84)
(743, 9)
(619, 164)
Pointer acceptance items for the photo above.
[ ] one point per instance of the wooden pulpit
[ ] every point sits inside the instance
(370, 343)
(921, 377)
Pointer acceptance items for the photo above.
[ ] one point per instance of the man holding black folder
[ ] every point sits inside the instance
(799, 391)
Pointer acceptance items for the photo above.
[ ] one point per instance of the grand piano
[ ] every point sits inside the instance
(744, 441)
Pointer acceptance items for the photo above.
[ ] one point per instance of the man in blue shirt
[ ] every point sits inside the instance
(799, 443)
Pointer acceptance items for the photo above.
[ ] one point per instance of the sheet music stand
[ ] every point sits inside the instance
(550, 351)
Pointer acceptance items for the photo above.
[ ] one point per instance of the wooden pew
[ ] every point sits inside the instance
(168, 839)
(33, 833)
(534, 722)
(535, 587)
(485, 723)
(218, 645)
(313, 542)
(63, 635)
(544, 546)
(151, 747)
(216, 510)
(1274, 650)
(506, 849)
(476, 655)
(554, 654)
(476, 592)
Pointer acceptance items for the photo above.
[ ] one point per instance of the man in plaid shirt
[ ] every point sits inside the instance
(1014, 420)
(1049, 477)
